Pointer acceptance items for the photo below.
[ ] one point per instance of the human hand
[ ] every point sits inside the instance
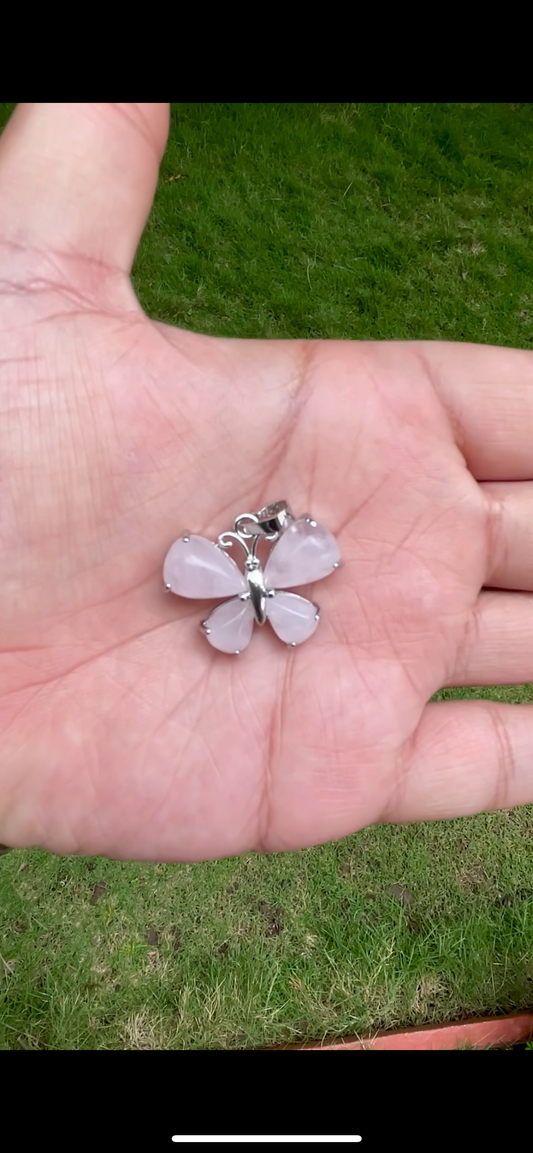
(121, 731)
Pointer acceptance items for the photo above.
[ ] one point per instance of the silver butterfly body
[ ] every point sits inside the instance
(303, 553)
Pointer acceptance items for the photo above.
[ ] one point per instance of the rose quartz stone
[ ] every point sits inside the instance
(229, 627)
(198, 568)
(293, 618)
(304, 553)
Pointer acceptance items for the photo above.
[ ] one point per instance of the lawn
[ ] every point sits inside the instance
(366, 221)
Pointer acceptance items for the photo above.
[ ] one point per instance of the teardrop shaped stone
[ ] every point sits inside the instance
(195, 567)
(293, 618)
(229, 627)
(305, 553)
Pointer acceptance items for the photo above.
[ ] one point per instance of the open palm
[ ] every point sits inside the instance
(122, 731)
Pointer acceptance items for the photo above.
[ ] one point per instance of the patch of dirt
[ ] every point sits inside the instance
(507, 900)
(175, 937)
(401, 894)
(98, 891)
(152, 937)
(407, 901)
(273, 918)
(472, 878)
(429, 990)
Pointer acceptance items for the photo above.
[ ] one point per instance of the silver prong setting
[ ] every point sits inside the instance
(168, 587)
(338, 564)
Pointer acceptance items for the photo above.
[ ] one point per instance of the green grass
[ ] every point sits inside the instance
(392, 926)
(321, 220)
(344, 220)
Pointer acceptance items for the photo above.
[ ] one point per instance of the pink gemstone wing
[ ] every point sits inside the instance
(195, 567)
(306, 552)
(293, 618)
(229, 627)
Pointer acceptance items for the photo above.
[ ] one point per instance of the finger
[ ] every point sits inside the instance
(510, 559)
(488, 393)
(498, 643)
(80, 178)
(469, 756)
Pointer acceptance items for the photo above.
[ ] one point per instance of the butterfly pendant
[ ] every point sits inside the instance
(303, 552)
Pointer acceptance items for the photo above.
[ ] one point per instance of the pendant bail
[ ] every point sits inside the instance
(271, 521)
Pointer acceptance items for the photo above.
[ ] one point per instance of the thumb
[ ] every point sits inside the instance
(79, 179)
